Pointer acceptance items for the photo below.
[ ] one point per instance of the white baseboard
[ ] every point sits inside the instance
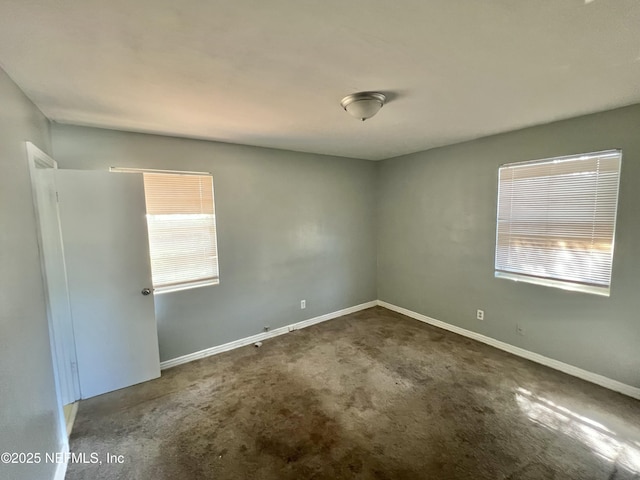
(606, 382)
(601, 380)
(263, 336)
(61, 468)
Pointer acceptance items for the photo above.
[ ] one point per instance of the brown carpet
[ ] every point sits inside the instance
(372, 395)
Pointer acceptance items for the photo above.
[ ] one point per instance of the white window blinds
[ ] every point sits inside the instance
(182, 230)
(556, 221)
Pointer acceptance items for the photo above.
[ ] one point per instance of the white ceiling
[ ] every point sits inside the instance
(272, 73)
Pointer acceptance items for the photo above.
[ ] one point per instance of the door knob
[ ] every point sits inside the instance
(146, 291)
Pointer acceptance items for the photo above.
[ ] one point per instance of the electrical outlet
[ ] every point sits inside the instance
(519, 329)
(480, 314)
(303, 304)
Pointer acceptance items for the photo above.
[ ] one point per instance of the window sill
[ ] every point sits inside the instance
(185, 286)
(547, 282)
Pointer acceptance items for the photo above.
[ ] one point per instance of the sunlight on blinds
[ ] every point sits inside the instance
(556, 221)
(182, 230)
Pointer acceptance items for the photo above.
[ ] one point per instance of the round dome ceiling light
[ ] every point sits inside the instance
(363, 105)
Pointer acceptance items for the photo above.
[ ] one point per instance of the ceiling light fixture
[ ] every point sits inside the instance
(363, 105)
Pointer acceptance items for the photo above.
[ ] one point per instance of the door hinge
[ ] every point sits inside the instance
(57, 197)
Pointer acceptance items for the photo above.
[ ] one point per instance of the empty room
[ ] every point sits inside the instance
(320, 240)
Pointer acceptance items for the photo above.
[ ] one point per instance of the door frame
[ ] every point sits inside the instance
(61, 337)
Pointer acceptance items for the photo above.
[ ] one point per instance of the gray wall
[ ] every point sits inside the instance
(28, 405)
(436, 234)
(291, 226)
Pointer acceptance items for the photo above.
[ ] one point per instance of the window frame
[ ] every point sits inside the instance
(563, 284)
(186, 284)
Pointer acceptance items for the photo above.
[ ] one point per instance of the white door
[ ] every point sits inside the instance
(108, 267)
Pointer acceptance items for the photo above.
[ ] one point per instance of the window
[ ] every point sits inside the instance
(182, 230)
(556, 221)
